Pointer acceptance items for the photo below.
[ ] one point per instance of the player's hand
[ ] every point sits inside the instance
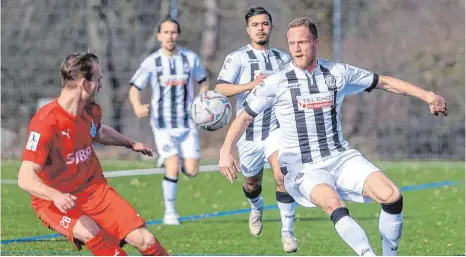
(64, 201)
(257, 80)
(142, 148)
(438, 105)
(142, 110)
(228, 166)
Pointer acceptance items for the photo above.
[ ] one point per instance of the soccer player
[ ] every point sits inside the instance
(320, 167)
(63, 174)
(171, 72)
(242, 70)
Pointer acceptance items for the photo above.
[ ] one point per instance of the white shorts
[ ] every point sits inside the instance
(254, 154)
(345, 172)
(183, 142)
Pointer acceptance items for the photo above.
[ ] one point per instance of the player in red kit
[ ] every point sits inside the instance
(63, 174)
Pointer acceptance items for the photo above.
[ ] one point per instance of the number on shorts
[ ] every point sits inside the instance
(65, 221)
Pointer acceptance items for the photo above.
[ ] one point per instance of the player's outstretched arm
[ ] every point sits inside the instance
(108, 136)
(436, 102)
(227, 164)
(228, 89)
(29, 181)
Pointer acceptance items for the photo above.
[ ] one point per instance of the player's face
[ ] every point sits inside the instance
(168, 35)
(90, 88)
(302, 45)
(259, 29)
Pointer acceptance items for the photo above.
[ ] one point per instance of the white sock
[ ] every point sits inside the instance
(351, 232)
(169, 186)
(287, 207)
(256, 203)
(390, 227)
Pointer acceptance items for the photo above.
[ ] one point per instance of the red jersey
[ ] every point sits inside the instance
(63, 144)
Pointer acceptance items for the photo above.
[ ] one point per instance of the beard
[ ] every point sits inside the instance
(302, 62)
(262, 42)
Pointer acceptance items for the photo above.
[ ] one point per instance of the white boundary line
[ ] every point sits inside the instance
(139, 172)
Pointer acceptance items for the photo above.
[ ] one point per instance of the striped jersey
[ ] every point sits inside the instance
(172, 81)
(308, 107)
(243, 66)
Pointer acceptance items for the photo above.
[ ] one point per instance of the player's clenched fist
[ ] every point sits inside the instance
(142, 110)
(228, 166)
(438, 105)
(64, 201)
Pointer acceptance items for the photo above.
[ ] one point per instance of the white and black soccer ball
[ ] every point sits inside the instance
(211, 110)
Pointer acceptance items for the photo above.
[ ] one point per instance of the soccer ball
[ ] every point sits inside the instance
(211, 110)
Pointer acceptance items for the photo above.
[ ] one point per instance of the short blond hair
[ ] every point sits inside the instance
(306, 22)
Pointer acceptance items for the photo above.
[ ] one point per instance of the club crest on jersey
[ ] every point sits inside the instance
(315, 101)
(331, 82)
(93, 131)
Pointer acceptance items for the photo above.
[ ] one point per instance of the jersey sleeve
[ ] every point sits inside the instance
(95, 112)
(141, 78)
(262, 96)
(39, 141)
(358, 80)
(230, 70)
(199, 71)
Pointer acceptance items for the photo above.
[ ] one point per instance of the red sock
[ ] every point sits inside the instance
(156, 249)
(104, 245)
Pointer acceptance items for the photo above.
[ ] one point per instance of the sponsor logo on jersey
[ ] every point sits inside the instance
(79, 156)
(314, 101)
(174, 80)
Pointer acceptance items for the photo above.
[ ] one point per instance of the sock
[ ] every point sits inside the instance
(254, 198)
(169, 186)
(351, 232)
(103, 244)
(391, 226)
(156, 249)
(287, 209)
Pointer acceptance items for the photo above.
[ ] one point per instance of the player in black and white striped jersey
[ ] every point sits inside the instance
(171, 73)
(242, 70)
(320, 167)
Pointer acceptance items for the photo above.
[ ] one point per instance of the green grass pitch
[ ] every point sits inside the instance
(434, 217)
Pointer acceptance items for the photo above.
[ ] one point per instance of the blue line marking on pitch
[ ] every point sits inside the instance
(227, 213)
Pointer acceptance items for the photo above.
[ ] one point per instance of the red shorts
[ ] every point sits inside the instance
(102, 204)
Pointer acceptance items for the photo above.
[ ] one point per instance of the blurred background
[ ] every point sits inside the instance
(421, 41)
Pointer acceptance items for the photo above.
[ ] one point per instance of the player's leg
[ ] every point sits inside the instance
(285, 202)
(116, 216)
(382, 190)
(251, 157)
(319, 186)
(190, 152)
(145, 242)
(80, 230)
(167, 149)
(359, 180)
(286, 205)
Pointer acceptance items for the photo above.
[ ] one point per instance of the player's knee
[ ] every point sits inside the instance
(394, 207)
(389, 194)
(332, 204)
(252, 191)
(85, 229)
(141, 238)
(192, 171)
(252, 185)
